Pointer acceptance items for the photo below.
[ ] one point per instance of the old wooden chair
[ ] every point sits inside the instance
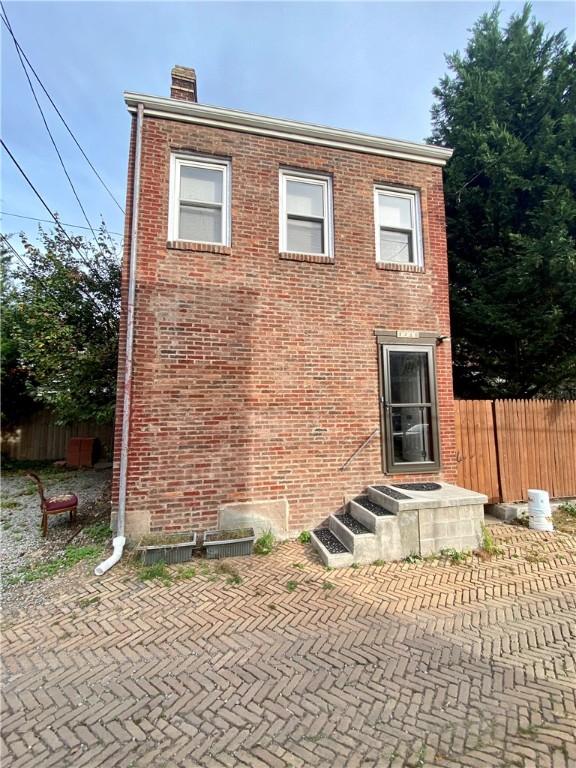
(54, 505)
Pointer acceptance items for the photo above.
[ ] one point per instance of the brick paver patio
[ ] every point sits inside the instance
(424, 664)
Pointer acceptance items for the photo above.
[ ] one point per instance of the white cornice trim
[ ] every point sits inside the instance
(232, 119)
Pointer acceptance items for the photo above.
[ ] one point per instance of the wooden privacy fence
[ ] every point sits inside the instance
(505, 447)
(40, 438)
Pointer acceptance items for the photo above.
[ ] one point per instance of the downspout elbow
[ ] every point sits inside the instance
(118, 548)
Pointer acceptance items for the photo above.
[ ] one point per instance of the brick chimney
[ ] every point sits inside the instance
(183, 84)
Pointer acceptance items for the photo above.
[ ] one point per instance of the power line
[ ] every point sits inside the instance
(54, 217)
(43, 116)
(70, 182)
(49, 221)
(4, 18)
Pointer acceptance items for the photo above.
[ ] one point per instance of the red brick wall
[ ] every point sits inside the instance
(256, 377)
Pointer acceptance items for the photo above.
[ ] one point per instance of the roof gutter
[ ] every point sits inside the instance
(292, 130)
(120, 540)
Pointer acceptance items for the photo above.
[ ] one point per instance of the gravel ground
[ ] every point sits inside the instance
(21, 544)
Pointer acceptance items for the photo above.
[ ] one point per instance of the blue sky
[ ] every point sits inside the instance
(363, 66)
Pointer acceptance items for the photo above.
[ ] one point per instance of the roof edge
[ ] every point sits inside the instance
(310, 133)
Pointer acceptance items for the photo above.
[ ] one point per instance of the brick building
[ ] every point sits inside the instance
(290, 317)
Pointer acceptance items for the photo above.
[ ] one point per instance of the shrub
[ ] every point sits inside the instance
(488, 544)
(304, 537)
(265, 544)
(568, 508)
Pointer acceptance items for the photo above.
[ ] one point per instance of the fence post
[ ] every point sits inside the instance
(497, 449)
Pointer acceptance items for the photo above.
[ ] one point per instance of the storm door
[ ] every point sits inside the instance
(409, 416)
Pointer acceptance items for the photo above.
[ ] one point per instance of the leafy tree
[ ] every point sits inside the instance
(509, 112)
(60, 325)
(16, 402)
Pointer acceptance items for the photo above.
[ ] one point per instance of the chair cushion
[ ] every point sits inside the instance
(64, 501)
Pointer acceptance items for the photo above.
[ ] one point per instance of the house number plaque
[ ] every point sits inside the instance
(407, 334)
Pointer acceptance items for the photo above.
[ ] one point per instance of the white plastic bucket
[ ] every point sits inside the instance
(539, 510)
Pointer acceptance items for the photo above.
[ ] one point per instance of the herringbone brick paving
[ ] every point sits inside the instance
(425, 664)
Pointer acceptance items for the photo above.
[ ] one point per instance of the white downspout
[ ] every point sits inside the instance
(119, 540)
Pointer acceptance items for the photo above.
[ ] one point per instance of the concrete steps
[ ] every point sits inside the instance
(388, 523)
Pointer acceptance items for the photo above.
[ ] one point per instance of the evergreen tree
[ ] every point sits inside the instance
(509, 112)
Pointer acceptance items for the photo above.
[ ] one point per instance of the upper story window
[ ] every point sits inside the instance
(305, 213)
(200, 200)
(398, 234)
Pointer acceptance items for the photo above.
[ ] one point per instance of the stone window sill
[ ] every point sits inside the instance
(311, 258)
(400, 267)
(184, 245)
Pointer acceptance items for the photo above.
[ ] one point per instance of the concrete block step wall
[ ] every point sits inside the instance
(388, 524)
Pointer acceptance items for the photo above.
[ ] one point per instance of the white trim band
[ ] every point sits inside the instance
(247, 122)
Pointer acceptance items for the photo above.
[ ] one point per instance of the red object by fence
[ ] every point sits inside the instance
(80, 452)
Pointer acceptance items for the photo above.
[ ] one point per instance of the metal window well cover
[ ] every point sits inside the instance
(232, 543)
(169, 552)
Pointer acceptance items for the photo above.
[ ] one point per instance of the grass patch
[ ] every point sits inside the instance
(355, 566)
(378, 563)
(564, 517)
(158, 571)
(413, 557)
(28, 491)
(235, 580)
(188, 572)
(98, 532)
(265, 543)
(454, 555)
(72, 555)
(304, 537)
(568, 508)
(300, 566)
(17, 466)
(292, 586)
(10, 504)
(327, 585)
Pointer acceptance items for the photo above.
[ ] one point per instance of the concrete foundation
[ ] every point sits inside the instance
(261, 515)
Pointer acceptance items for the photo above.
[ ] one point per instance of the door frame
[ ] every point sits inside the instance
(423, 342)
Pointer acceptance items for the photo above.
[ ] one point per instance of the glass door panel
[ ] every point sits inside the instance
(409, 406)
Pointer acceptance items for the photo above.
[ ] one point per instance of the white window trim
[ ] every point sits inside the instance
(328, 233)
(414, 197)
(178, 160)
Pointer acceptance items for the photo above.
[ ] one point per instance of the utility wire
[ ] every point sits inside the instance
(4, 18)
(54, 217)
(49, 221)
(43, 116)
